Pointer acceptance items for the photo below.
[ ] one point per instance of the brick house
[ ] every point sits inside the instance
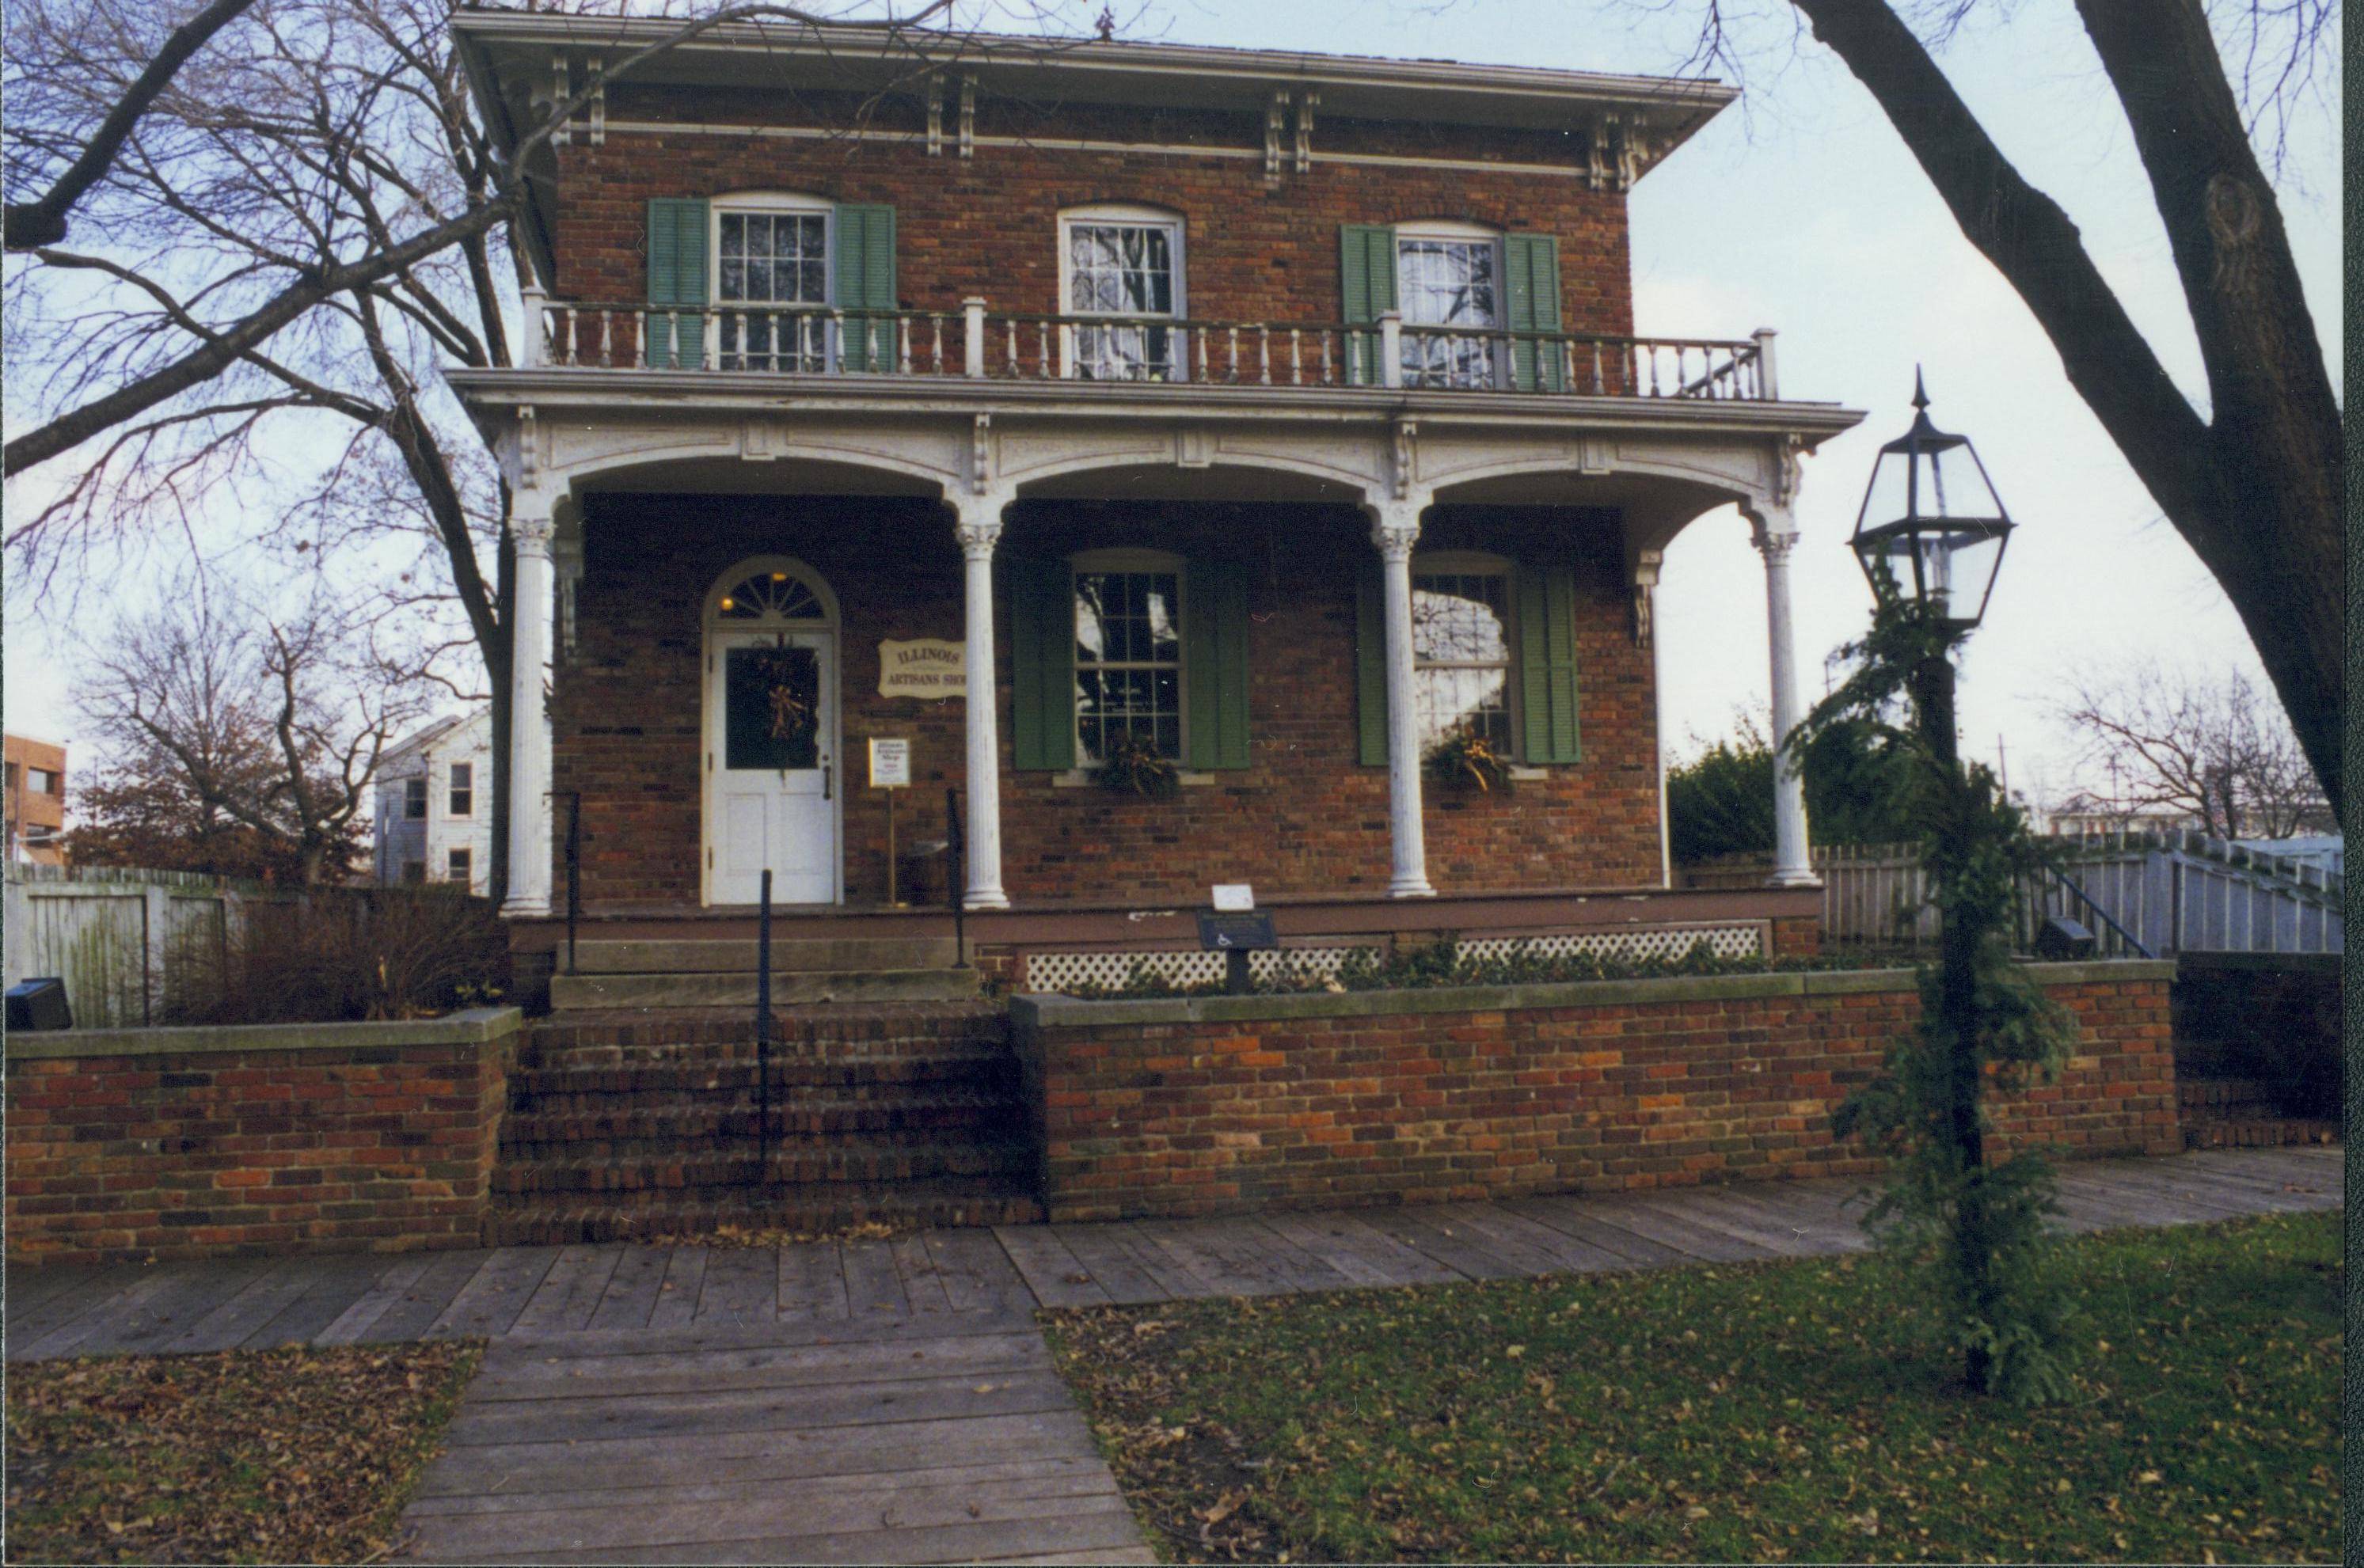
(1279, 415)
(34, 796)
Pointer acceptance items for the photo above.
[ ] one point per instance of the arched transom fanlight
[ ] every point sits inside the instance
(772, 595)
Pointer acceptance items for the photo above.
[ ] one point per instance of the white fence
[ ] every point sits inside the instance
(121, 939)
(2159, 893)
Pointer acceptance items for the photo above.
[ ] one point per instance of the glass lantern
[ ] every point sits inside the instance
(1932, 525)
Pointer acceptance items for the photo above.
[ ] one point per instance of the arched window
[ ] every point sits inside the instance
(771, 590)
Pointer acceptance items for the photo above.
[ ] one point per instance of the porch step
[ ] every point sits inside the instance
(2263, 1132)
(695, 1123)
(806, 955)
(558, 1219)
(737, 1165)
(638, 1123)
(736, 988)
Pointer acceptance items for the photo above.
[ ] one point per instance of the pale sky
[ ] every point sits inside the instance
(1801, 211)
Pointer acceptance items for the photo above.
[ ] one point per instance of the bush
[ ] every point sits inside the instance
(340, 955)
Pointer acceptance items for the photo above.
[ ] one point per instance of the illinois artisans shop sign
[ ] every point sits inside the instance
(923, 667)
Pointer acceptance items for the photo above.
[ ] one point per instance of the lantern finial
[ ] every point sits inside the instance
(1920, 392)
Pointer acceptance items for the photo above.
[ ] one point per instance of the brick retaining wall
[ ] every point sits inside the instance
(131, 1143)
(1215, 1105)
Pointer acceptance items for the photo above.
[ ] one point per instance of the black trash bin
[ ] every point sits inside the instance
(40, 1004)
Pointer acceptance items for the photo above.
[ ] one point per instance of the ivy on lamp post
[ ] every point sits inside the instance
(1930, 537)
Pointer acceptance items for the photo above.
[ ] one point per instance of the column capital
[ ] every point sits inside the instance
(532, 523)
(1395, 523)
(1776, 546)
(977, 523)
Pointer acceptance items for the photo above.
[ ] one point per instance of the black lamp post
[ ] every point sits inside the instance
(1933, 529)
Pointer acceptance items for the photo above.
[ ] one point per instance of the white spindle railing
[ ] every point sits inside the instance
(980, 342)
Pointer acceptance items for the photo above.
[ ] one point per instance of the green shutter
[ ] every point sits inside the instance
(1532, 261)
(1371, 664)
(865, 282)
(1548, 663)
(1215, 655)
(1366, 286)
(677, 277)
(1043, 666)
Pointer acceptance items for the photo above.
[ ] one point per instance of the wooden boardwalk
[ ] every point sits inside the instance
(891, 1400)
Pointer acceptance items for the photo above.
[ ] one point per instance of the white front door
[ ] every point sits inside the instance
(771, 766)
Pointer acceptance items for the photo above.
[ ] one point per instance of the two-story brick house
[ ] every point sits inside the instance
(1279, 415)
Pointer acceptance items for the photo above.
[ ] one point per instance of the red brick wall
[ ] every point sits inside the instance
(1254, 250)
(1305, 817)
(1210, 1118)
(316, 1149)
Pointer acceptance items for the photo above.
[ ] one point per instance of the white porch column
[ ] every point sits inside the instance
(529, 780)
(1395, 528)
(1777, 534)
(979, 530)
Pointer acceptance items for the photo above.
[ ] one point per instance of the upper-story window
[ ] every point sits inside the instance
(773, 252)
(463, 789)
(1121, 261)
(414, 798)
(1449, 275)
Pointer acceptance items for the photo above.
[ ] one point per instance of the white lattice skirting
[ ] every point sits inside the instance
(1067, 971)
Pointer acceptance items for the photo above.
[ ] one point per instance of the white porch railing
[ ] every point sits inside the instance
(976, 341)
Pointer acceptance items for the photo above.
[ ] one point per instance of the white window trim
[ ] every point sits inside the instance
(1479, 564)
(1446, 229)
(1137, 214)
(768, 202)
(1129, 559)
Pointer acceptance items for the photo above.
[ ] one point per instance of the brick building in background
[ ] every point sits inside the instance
(34, 796)
(1278, 414)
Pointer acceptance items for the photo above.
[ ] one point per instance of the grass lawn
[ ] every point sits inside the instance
(274, 1456)
(1790, 1410)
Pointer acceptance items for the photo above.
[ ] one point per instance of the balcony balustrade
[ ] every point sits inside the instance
(807, 341)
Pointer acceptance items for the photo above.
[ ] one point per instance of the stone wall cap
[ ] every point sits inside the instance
(1043, 1011)
(475, 1026)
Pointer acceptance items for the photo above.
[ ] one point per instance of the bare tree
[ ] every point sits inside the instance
(2257, 484)
(2210, 749)
(274, 723)
(299, 230)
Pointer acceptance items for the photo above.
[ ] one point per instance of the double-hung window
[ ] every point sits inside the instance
(772, 284)
(414, 797)
(1449, 287)
(1128, 653)
(1461, 649)
(462, 799)
(1126, 263)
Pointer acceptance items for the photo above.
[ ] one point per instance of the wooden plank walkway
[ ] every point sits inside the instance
(544, 1294)
(892, 1400)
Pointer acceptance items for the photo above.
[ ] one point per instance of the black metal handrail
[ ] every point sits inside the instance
(954, 876)
(764, 1032)
(2099, 913)
(574, 871)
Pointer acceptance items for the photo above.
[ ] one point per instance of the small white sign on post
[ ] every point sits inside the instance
(1233, 897)
(890, 763)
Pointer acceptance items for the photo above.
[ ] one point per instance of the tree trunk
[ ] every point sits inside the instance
(2259, 492)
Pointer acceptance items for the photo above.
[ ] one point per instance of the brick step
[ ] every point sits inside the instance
(689, 1123)
(738, 989)
(2206, 1092)
(737, 1165)
(704, 1036)
(614, 956)
(561, 1219)
(2265, 1132)
(578, 1089)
